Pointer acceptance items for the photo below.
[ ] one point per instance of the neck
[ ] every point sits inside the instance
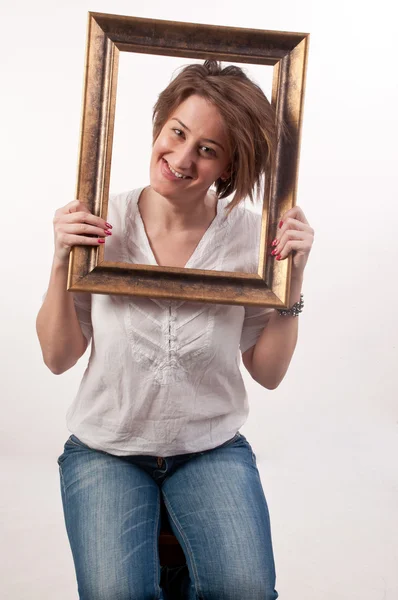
(176, 215)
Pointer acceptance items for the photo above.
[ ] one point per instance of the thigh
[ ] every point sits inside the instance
(112, 512)
(218, 512)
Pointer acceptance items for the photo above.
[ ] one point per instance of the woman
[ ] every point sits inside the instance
(158, 410)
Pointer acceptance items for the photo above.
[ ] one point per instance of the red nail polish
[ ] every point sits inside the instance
(274, 252)
(278, 257)
(108, 232)
(280, 224)
(274, 243)
(108, 225)
(100, 241)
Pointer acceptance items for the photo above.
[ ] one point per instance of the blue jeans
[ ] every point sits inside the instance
(216, 508)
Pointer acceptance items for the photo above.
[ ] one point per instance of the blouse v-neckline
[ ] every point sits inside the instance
(197, 248)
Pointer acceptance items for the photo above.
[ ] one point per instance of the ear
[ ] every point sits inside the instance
(226, 174)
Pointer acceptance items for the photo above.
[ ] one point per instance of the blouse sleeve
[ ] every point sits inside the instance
(82, 302)
(255, 320)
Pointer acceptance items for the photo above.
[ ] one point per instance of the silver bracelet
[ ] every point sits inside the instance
(295, 310)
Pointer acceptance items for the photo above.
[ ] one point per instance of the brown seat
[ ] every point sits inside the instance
(170, 552)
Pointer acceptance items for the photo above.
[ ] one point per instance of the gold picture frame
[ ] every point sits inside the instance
(107, 36)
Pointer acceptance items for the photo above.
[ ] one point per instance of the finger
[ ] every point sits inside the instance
(289, 226)
(291, 229)
(291, 234)
(78, 206)
(294, 230)
(303, 246)
(71, 207)
(83, 229)
(87, 217)
(62, 219)
(295, 213)
(291, 223)
(68, 240)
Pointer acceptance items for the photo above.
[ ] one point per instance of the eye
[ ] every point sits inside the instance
(207, 150)
(178, 132)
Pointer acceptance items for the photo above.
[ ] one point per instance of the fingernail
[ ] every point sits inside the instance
(108, 232)
(108, 225)
(101, 241)
(278, 257)
(280, 224)
(274, 243)
(274, 252)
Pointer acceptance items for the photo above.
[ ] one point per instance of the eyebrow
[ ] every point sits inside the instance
(204, 139)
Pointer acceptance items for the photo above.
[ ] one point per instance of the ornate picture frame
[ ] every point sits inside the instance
(107, 36)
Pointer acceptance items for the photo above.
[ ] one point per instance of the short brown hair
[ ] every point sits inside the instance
(249, 118)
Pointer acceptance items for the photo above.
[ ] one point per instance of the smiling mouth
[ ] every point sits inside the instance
(174, 172)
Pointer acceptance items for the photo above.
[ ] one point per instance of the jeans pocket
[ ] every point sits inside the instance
(253, 456)
(71, 443)
(241, 440)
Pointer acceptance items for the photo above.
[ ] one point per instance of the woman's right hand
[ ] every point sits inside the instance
(73, 224)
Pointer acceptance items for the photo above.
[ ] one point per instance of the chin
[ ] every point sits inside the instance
(163, 188)
(167, 189)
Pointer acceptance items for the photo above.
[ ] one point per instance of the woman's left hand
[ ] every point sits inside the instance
(294, 236)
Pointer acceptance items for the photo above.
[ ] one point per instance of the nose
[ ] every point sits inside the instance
(183, 158)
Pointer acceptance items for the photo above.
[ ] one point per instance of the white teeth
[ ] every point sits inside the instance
(176, 173)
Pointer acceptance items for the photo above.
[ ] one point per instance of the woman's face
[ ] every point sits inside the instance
(191, 151)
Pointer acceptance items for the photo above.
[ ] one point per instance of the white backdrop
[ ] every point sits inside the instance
(326, 439)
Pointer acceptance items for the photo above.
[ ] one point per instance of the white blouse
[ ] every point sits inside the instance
(163, 377)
